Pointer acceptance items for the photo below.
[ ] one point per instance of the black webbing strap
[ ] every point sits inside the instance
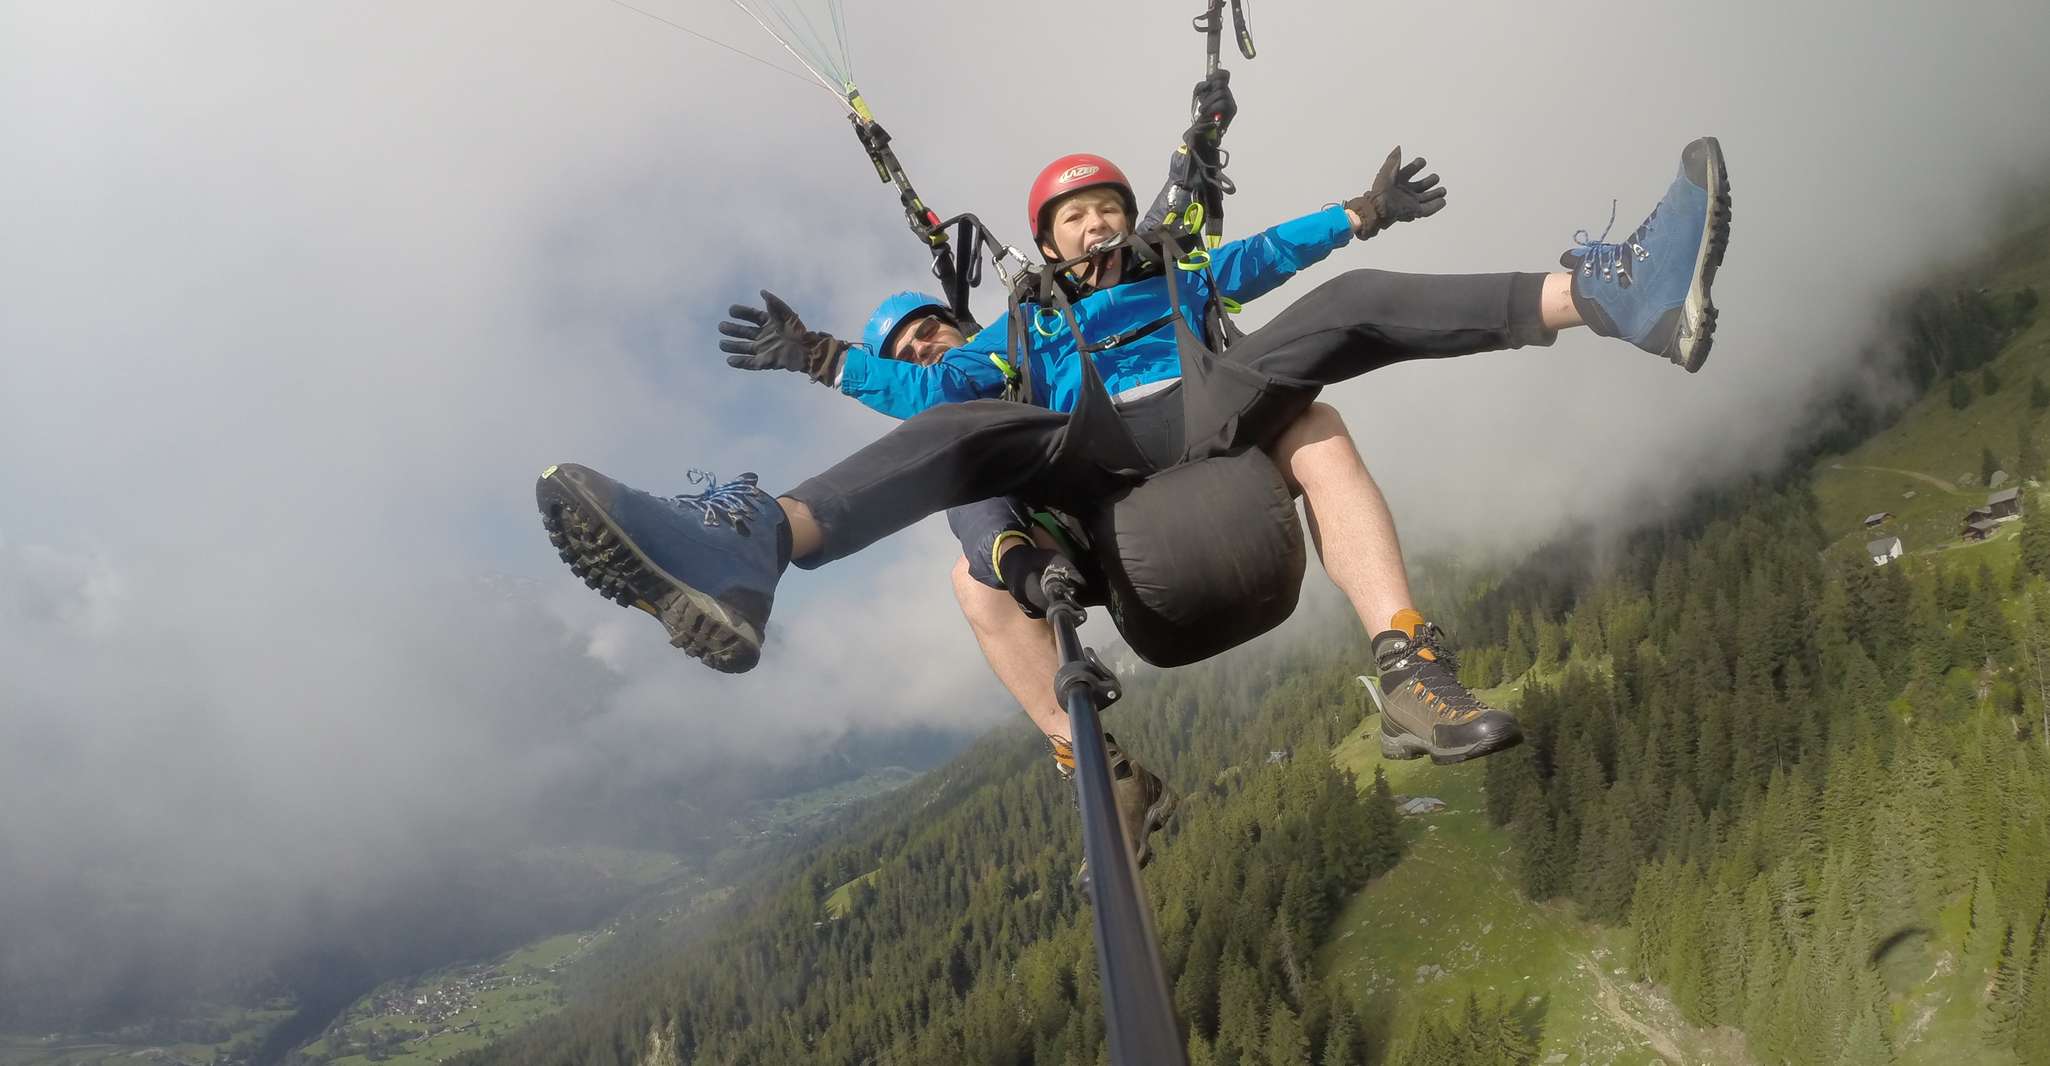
(1207, 183)
(958, 275)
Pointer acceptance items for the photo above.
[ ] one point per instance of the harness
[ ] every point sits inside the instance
(1042, 299)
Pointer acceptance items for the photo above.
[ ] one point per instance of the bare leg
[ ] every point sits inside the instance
(1020, 650)
(1555, 303)
(805, 535)
(1349, 519)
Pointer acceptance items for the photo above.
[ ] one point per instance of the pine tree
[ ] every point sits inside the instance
(1988, 465)
(1866, 1045)
(2000, 1022)
(2039, 393)
(1960, 393)
(1957, 589)
(1241, 1032)
(1989, 382)
(1550, 641)
(1650, 918)
(1986, 637)
(1512, 1045)
(2032, 1036)
(1341, 1042)
(1432, 1043)
(1585, 632)
(1607, 871)
(2035, 542)
(1517, 659)
(1195, 992)
(2028, 462)
(1383, 844)
(1287, 1044)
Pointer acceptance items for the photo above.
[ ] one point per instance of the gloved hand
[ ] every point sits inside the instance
(1398, 195)
(775, 339)
(1215, 106)
(1022, 570)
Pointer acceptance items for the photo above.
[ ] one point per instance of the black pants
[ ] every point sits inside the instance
(960, 453)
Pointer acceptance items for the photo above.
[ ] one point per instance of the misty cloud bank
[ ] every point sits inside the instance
(297, 299)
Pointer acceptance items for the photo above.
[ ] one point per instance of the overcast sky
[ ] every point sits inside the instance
(297, 298)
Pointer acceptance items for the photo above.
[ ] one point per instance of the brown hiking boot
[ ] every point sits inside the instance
(1144, 803)
(1424, 708)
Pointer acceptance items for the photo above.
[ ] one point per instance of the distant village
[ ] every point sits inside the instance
(2002, 505)
(437, 1007)
(422, 1011)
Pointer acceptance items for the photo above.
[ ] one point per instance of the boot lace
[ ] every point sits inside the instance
(1437, 680)
(1613, 261)
(736, 503)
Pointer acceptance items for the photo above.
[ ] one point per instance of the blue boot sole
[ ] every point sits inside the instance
(1698, 314)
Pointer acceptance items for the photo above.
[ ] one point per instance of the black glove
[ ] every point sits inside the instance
(1023, 569)
(775, 339)
(1215, 106)
(1398, 195)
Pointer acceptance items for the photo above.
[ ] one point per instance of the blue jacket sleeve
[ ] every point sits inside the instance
(1254, 266)
(901, 389)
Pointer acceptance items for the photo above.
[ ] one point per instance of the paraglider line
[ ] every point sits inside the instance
(744, 54)
(790, 30)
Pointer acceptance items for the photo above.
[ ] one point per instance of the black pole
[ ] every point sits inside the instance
(1137, 1012)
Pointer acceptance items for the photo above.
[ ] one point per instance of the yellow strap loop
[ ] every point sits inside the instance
(1199, 258)
(996, 550)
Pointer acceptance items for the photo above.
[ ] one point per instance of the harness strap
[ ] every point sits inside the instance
(1041, 291)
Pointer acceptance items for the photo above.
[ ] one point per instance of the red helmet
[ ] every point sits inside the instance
(1073, 173)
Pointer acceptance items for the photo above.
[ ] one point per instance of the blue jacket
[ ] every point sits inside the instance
(1245, 270)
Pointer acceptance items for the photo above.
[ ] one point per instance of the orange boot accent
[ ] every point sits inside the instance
(1407, 621)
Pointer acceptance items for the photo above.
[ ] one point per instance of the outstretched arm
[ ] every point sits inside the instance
(773, 337)
(1397, 195)
(1253, 267)
(901, 390)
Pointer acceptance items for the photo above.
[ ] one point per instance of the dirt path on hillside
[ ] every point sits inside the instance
(1917, 475)
(1611, 1002)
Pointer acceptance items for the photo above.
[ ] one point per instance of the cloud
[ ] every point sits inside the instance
(297, 299)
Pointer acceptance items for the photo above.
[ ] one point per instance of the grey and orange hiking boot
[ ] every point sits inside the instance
(706, 565)
(1424, 708)
(1652, 287)
(1144, 802)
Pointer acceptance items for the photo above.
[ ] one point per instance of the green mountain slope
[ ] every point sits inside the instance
(1450, 920)
(1797, 813)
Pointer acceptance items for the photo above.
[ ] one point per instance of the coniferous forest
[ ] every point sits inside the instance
(1790, 780)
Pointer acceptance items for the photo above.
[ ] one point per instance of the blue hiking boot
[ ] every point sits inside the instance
(706, 565)
(1652, 288)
